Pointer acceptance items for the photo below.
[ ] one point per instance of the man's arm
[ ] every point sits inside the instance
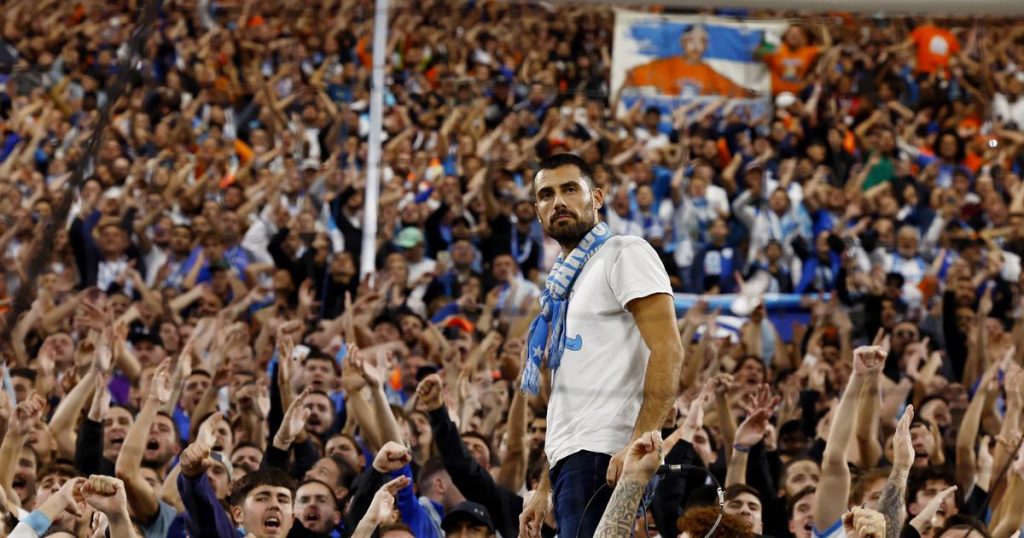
(656, 318)
(62, 424)
(835, 475)
(641, 462)
(203, 510)
(892, 502)
(26, 414)
(141, 498)
(475, 483)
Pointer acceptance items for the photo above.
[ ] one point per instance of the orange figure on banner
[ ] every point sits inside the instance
(686, 75)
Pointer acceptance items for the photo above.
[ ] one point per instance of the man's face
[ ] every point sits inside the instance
(266, 512)
(747, 507)
(479, 451)
(316, 508)
(927, 493)
(566, 206)
(800, 475)
(115, 428)
(343, 447)
(324, 470)
(48, 486)
(538, 431)
(504, 268)
(22, 387)
(903, 334)
(195, 386)
(410, 367)
(906, 243)
(24, 483)
(923, 444)
(219, 479)
(318, 374)
(873, 492)
(63, 348)
(321, 414)
(412, 328)
(111, 240)
(467, 529)
(161, 445)
(246, 457)
(181, 241)
(149, 354)
(801, 522)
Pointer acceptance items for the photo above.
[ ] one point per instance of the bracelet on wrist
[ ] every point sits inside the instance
(741, 448)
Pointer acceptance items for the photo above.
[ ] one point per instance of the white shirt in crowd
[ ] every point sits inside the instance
(598, 387)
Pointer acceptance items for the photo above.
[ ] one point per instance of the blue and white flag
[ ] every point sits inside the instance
(671, 61)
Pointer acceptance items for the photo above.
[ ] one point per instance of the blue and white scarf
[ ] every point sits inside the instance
(554, 303)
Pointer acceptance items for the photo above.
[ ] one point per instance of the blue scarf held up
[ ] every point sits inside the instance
(554, 303)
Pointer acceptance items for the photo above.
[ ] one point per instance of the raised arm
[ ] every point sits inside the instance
(108, 496)
(892, 503)
(655, 317)
(381, 508)
(750, 433)
(141, 498)
(25, 416)
(62, 424)
(869, 448)
(513, 466)
(967, 435)
(835, 475)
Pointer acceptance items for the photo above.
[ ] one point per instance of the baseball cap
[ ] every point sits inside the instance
(754, 165)
(409, 237)
(470, 511)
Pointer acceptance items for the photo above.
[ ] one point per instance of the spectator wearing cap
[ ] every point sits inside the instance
(468, 520)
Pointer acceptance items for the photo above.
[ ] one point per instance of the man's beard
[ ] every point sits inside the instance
(571, 233)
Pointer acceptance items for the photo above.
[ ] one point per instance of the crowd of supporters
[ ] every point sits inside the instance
(202, 358)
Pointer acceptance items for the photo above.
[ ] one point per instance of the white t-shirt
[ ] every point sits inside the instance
(598, 387)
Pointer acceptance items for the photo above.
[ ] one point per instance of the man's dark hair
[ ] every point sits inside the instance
(919, 478)
(568, 159)
(791, 503)
(736, 490)
(58, 469)
(260, 477)
(430, 468)
(27, 373)
(965, 523)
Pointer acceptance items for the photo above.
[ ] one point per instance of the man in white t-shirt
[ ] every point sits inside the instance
(618, 373)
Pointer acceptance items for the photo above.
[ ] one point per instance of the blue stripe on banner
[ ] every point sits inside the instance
(783, 311)
(663, 39)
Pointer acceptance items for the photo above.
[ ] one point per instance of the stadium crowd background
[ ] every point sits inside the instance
(201, 337)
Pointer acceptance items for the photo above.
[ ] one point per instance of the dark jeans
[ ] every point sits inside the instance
(580, 493)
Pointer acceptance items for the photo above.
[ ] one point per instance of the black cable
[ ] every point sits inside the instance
(585, 508)
(40, 253)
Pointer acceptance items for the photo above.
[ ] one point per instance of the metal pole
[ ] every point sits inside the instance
(380, 39)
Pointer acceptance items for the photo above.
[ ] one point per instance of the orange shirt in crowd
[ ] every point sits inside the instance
(676, 76)
(935, 46)
(789, 67)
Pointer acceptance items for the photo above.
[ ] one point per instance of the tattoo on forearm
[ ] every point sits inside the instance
(891, 503)
(619, 517)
